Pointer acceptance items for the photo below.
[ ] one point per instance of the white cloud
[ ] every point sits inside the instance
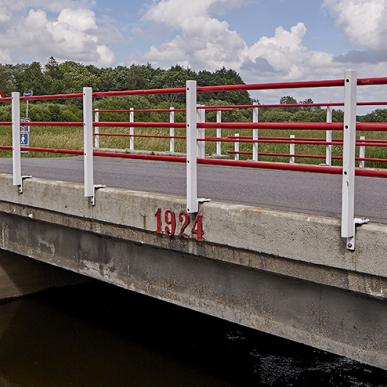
(65, 29)
(363, 21)
(176, 12)
(4, 56)
(204, 41)
(287, 55)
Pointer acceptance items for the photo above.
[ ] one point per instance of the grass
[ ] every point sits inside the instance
(72, 138)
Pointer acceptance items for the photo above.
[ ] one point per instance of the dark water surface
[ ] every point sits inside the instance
(100, 335)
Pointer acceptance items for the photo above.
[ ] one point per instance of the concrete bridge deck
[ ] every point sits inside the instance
(282, 272)
(312, 193)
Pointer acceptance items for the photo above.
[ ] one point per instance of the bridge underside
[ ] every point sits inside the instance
(288, 274)
(20, 276)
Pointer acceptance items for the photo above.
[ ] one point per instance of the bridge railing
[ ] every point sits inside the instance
(132, 135)
(348, 127)
(254, 140)
(195, 136)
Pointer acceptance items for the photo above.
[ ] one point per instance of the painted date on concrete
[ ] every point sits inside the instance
(180, 224)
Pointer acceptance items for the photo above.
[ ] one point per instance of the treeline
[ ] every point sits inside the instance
(71, 77)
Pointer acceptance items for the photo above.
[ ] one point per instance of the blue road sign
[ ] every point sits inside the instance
(28, 93)
(24, 139)
(25, 132)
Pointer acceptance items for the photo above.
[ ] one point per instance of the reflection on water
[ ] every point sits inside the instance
(99, 335)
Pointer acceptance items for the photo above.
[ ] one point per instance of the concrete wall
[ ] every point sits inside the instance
(283, 273)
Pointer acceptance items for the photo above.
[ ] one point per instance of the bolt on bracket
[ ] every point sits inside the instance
(20, 187)
(96, 187)
(351, 241)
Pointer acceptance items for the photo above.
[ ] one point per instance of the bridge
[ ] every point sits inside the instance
(270, 245)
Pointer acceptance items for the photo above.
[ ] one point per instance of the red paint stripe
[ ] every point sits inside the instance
(138, 110)
(137, 135)
(178, 90)
(46, 123)
(273, 125)
(141, 124)
(273, 86)
(282, 141)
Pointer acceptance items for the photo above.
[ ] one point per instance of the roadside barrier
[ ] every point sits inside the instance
(195, 126)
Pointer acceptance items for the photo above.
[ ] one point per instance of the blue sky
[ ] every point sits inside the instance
(252, 20)
(264, 40)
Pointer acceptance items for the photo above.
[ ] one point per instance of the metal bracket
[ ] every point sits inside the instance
(351, 241)
(360, 221)
(92, 198)
(20, 187)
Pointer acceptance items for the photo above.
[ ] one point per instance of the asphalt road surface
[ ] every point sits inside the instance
(311, 193)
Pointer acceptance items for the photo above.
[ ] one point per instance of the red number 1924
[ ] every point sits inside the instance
(168, 223)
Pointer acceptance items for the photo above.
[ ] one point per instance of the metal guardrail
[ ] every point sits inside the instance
(196, 125)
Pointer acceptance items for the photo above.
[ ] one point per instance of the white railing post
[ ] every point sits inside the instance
(131, 129)
(172, 130)
(219, 133)
(192, 136)
(292, 150)
(96, 129)
(255, 132)
(201, 114)
(328, 149)
(349, 155)
(236, 147)
(88, 142)
(362, 153)
(16, 153)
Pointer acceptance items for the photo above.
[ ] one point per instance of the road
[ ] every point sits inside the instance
(311, 193)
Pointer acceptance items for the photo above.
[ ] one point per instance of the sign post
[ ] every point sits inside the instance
(25, 130)
(27, 93)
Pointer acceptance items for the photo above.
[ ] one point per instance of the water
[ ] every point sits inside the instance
(100, 335)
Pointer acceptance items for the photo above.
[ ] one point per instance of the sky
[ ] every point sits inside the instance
(264, 40)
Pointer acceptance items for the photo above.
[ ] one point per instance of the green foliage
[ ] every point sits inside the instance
(45, 112)
(287, 100)
(378, 115)
(71, 77)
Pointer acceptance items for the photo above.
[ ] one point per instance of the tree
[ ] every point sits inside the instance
(224, 76)
(54, 76)
(4, 82)
(288, 100)
(77, 76)
(379, 115)
(52, 69)
(33, 79)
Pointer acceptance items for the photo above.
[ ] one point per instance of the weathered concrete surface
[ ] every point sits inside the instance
(20, 276)
(300, 237)
(326, 317)
(279, 272)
